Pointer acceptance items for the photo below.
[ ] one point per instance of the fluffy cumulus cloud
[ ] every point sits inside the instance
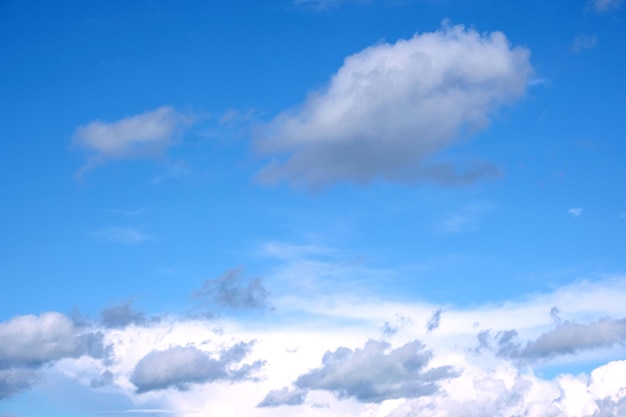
(317, 361)
(376, 372)
(391, 107)
(147, 134)
(29, 342)
(179, 367)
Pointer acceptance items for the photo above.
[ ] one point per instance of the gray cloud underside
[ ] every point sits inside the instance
(434, 321)
(36, 340)
(29, 342)
(375, 373)
(14, 380)
(231, 290)
(391, 107)
(121, 315)
(180, 367)
(284, 396)
(566, 338)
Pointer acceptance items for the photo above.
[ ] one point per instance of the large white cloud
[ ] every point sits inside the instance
(391, 107)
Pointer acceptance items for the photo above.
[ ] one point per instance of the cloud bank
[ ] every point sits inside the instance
(27, 343)
(392, 107)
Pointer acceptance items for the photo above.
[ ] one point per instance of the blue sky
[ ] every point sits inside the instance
(312, 207)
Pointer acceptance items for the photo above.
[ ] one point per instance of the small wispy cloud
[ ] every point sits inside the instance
(322, 5)
(601, 6)
(124, 235)
(123, 212)
(145, 135)
(466, 219)
(582, 42)
(575, 212)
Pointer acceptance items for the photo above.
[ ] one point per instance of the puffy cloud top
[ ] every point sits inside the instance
(376, 373)
(391, 106)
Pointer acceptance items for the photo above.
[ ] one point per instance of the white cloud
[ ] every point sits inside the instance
(582, 42)
(391, 107)
(28, 343)
(606, 5)
(180, 367)
(125, 235)
(576, 211)
(466, 219)
(147, 134)
(317, 351)
(320, 5)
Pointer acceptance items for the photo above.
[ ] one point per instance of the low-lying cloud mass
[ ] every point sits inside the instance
(323, 361)
(29, 342)
(180, 367)
(374, 373)
(391, 107)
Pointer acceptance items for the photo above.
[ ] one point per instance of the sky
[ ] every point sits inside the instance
(364, 208)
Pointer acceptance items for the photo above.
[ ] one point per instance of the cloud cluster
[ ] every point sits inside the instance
(565, 339)
(180, 367)
(391, 107)
(121, 315)
(373, 374)
(27, 343)
(233, 291)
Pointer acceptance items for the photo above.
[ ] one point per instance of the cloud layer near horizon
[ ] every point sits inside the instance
(391, 107)
(287, 367)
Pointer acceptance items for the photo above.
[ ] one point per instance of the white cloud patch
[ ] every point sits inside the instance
(123, 235)
(392, 107)
(575, 212)
(321, 5)
(606, 5)
(582, 42)
(145, 135)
